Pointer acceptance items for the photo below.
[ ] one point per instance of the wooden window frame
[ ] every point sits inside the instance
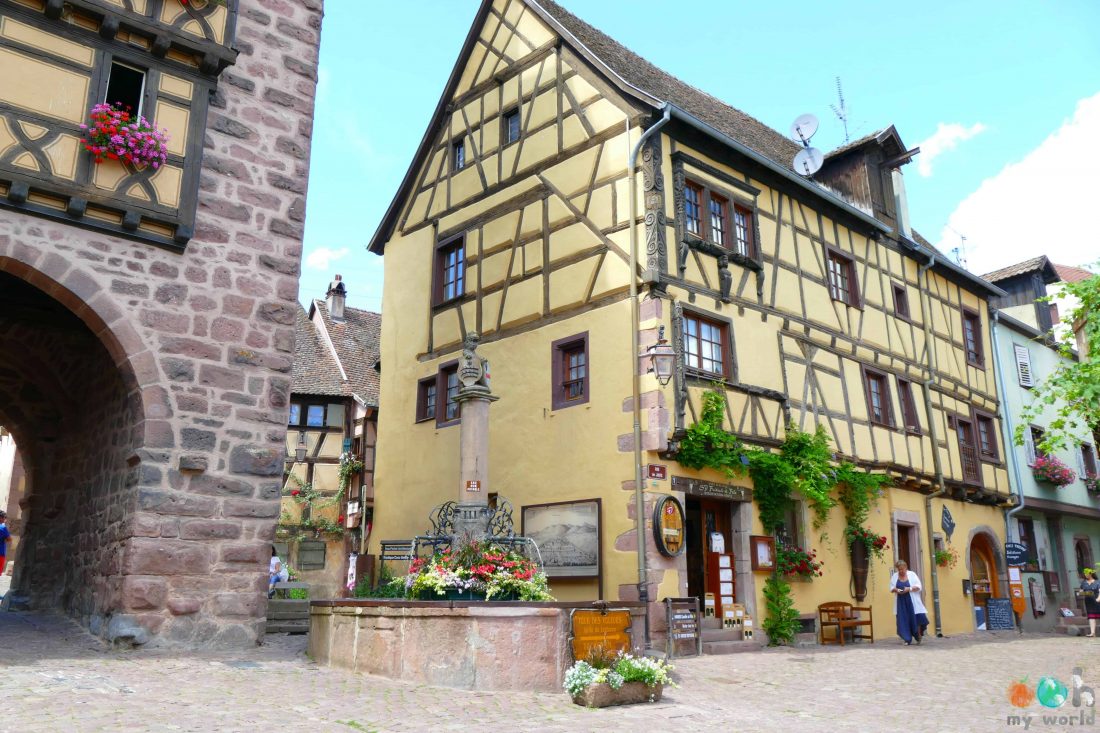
(423, 414)
(445, 370)
(458, 155)
(138, 111)
(869, 374)
(725, 326)
(509, 114)
(457, 243)
(901, 302)
(855, 296)
(980, 416)
(314, 546)
(970, 315)
(439, 412)
(558, 351)
(290, 414)
(908, 404)
(1088, 460)
(969, 420)
(730, 207)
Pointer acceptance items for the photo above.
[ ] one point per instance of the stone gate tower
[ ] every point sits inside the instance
(147, 312)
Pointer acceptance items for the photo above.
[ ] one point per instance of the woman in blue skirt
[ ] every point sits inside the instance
(912, 616)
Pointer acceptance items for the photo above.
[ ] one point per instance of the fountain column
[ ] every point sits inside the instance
(471, 521)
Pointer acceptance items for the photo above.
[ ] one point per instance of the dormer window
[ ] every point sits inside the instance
(126, 88)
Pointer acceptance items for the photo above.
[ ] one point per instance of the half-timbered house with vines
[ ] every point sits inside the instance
(808, 301)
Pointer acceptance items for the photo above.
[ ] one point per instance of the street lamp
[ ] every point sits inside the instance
(659, 358)
(300, 449)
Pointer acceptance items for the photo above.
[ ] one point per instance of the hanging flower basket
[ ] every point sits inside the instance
(947, 558)
(792, 560)
(113, 134)
(1050, 470)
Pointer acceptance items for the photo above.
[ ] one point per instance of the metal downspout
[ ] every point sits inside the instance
(635, 347)
(937, 464)
(1008, 429)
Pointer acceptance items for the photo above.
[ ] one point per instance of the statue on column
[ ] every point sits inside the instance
(725, 277)
(473, 371)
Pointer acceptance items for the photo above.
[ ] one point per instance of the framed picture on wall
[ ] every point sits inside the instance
(567, 535)
(762, 552)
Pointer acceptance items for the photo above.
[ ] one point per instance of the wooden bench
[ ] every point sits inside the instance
(288, 615)
(842, 616)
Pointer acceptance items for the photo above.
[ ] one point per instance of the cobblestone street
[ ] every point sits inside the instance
(57, 678)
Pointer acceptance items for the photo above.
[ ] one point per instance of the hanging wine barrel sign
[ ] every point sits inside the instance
(668, 526)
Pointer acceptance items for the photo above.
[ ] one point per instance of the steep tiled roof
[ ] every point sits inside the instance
(1020, 268)
(1070, 274)
(645, 76)
(356, 340)
(315, 370)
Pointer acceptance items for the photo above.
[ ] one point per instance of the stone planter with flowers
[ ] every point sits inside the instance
(602, 680)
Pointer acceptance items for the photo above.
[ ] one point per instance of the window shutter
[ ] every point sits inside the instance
(1023, 366)
(1029, 446)
(1081, 460)
(311, 555)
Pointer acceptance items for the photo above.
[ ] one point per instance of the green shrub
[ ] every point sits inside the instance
(781, 620)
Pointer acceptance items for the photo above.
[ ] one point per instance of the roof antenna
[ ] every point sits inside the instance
(841, 112)
(959, 253)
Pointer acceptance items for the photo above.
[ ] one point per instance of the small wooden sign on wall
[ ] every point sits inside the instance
(473, 486)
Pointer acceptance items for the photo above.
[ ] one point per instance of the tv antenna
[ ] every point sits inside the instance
(841, 112)
(959, 253)
(808, 160)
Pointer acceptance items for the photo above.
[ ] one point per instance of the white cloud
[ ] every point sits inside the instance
(323, 257)
(946, 138)
(1042, 204)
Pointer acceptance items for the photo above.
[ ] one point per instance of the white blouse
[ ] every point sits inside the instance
(915, 584)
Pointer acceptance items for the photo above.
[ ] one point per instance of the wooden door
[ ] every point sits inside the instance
(715, 519)
(983, 572)
(905, 546)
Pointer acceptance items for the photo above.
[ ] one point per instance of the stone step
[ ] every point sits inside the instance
(731, 647)
(288, 627)
(712, 623)
(287, 614)
(722, 634)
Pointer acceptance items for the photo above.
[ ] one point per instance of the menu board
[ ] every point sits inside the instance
(998, 614)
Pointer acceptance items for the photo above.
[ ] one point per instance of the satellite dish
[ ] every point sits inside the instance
(808, 161)
(803, 128)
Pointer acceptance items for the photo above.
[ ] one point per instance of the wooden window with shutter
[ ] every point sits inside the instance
(1087, 460)
(1023, 365)
(311, 555)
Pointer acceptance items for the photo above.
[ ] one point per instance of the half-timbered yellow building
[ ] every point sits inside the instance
(809, 301)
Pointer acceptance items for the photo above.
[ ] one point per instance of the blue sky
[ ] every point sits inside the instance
(1003, 98)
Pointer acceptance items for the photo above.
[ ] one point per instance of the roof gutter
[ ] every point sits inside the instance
(789, 174)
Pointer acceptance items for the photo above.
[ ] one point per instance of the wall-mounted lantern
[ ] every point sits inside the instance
(660, 358)
(300, 449)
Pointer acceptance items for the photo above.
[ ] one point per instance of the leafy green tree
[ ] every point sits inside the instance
(1072, 390)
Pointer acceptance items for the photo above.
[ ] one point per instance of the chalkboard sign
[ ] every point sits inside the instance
(947, 521)
(998, 614)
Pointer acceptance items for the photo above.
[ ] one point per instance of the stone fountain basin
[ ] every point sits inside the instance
(470, 645)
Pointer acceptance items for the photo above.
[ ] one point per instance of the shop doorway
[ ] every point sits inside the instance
(984, 582)
(709, 539)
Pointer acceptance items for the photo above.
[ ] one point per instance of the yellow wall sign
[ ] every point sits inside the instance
(609, 630)
(668, 526)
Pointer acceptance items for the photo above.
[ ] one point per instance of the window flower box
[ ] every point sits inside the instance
(1050, 470)
(1092, 483)
(112, 134)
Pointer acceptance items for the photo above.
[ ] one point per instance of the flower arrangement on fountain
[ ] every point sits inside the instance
(477, 569)
(617, 673)
(875, 543)
(1052, 471)
(113, 134)
(793, 560)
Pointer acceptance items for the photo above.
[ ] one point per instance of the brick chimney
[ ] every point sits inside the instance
(336, 296)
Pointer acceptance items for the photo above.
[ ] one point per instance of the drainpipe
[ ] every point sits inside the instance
(636, 345)
(1007, 428)
(937, 464)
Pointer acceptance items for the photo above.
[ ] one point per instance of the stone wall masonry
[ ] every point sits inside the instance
(175, 487)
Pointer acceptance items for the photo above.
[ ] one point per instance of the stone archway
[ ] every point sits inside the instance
(77, 416)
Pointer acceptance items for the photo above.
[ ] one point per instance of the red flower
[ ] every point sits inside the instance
(340, 519)
(295, 492)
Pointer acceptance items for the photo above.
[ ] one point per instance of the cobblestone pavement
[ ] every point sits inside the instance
(55, 677)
